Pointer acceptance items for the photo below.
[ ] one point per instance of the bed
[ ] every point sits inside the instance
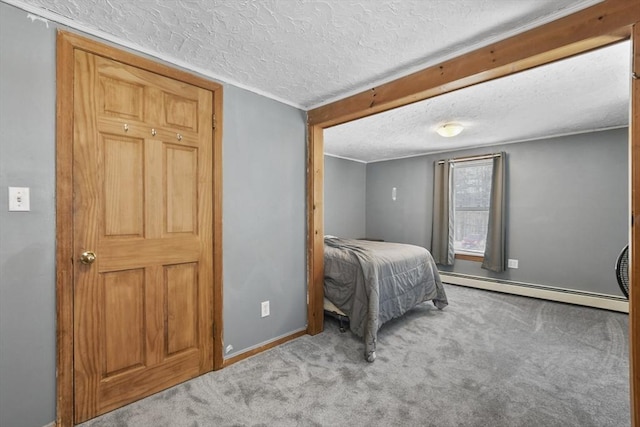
(372, 282)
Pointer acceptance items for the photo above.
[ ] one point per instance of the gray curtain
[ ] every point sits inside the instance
(442, 228)
(494, 253)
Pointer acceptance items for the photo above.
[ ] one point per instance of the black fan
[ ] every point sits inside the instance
(622, 271)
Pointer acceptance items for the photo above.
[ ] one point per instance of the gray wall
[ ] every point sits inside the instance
(27, 239)
(567, 203)
(263, 219)
(408, 218)
(344, 197)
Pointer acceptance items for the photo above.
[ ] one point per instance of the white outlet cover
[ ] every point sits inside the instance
(512, 263)
(19, 199)
(265, 308)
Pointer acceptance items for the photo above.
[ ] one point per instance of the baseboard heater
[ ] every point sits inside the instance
(589, 299)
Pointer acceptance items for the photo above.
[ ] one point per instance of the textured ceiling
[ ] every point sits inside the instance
(310, 52)
(584, 93)
(304, 52)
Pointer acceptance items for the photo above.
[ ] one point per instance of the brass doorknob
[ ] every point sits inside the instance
(87, 257)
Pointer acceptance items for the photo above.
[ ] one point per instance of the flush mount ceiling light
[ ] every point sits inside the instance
(449, 129)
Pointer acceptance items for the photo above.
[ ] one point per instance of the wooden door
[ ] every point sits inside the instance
(142, 183)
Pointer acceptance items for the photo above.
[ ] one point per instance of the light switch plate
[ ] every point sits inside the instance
(19, 199)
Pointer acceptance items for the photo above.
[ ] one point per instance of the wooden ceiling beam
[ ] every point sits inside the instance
(599, 25)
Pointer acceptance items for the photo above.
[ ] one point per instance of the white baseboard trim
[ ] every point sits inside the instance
(51, 424)
(588, 299)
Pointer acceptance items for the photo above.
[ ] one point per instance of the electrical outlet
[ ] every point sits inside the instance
(512, 263)
(19, 199)
(265, 308)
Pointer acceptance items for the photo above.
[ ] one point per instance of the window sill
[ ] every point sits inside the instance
(469, 257)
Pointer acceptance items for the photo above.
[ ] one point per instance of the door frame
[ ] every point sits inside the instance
(67, 43)
(597, 26)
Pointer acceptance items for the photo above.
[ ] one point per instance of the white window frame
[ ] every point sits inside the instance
(467, 164)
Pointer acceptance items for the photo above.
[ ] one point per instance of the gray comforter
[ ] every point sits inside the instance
(373, 282)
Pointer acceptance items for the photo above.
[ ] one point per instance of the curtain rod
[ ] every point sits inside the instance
(470, 158)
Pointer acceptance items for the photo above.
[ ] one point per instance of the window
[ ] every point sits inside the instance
(472, 192)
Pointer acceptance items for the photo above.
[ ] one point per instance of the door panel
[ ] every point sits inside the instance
(123, 183)
(119, 98)
(123, 323)
(181, 282)
(180, 112)
(143, 185)
(181, 189)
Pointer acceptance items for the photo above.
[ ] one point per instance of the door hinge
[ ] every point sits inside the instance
(213, 121)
